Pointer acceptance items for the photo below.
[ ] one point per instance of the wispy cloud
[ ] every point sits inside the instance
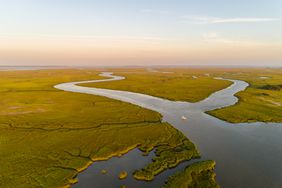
(214, 37)
(9, 36)
(210, 36)
(217, 20)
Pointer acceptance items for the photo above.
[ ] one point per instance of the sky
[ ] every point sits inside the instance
(140, 32)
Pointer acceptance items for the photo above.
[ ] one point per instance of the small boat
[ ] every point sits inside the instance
(183, 118)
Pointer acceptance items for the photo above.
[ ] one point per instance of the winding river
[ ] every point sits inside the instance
(247, 154)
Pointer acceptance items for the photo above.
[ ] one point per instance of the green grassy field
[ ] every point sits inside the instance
(198, 175)
(48, 136)
(178, 86)
(262, 101)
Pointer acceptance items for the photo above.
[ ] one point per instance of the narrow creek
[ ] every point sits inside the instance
(247, 154)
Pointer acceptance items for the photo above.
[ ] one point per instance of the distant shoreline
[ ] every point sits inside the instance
(30, 67)
(11, 68)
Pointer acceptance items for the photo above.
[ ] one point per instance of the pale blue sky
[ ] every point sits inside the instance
(180, 21)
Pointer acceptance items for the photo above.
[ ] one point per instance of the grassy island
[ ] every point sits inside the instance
(123, 175)
(167, 156)
(200, 175)
(190, 85)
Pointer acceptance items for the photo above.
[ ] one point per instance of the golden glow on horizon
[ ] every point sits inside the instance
(134, 51)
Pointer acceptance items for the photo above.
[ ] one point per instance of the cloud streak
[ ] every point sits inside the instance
(81, 37)
(215, 38)
(217, 20)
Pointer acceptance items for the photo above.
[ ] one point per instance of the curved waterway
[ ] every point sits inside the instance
(247, 154)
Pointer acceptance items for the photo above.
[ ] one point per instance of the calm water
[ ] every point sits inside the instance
(134, 160)
(247, 155)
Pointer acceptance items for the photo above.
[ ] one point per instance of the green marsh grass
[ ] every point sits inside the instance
(48, 136)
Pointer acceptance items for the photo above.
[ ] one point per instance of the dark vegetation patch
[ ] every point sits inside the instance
(271, 87)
